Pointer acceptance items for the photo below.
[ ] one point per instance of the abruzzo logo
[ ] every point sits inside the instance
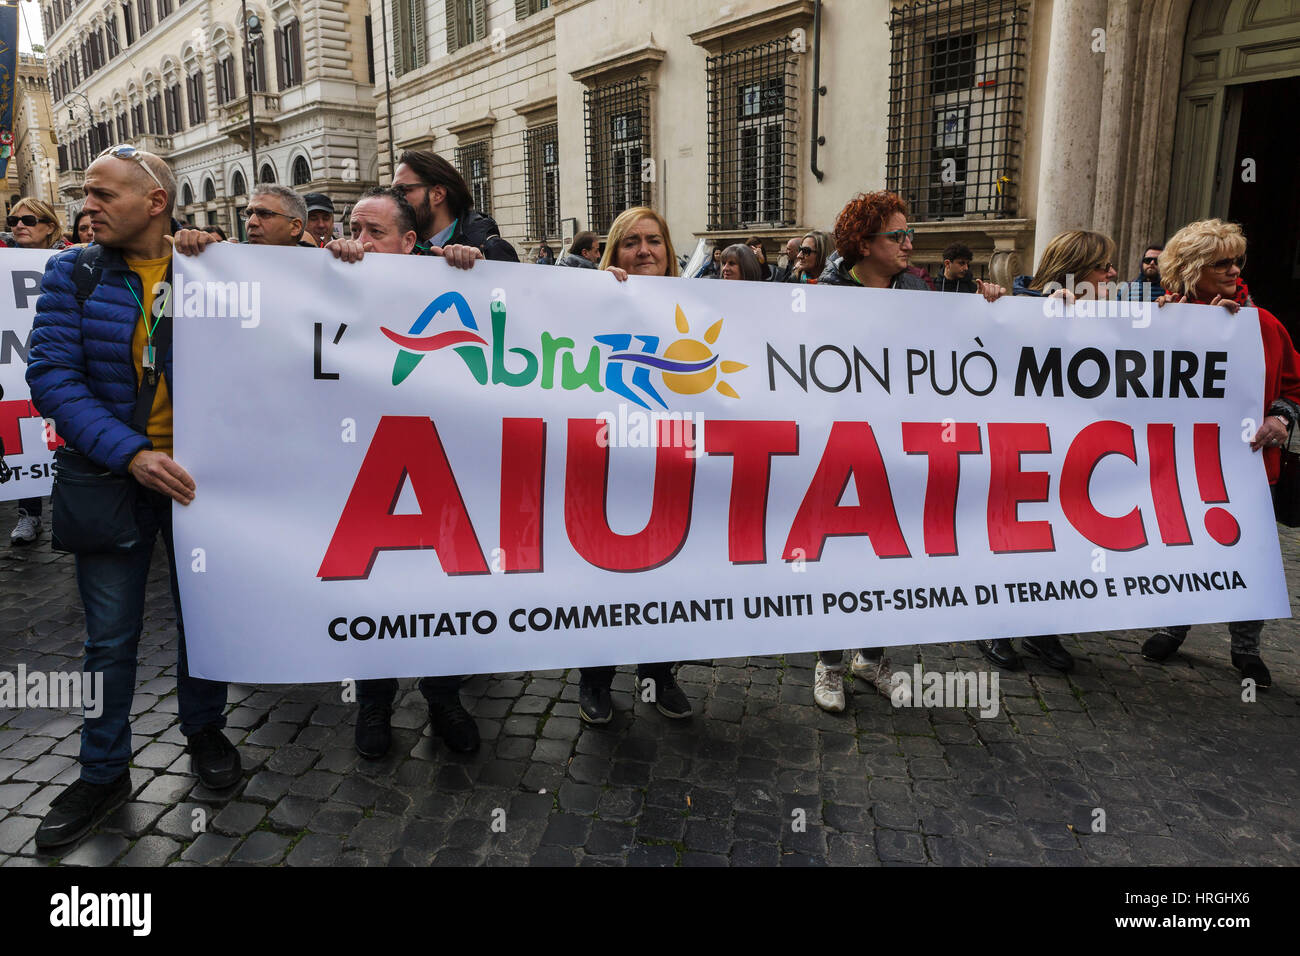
(686, 366)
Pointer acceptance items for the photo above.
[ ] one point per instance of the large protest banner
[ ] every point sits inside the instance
(26, 450)
(404, 469)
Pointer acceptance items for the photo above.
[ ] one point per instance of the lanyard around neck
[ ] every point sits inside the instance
(145, 315)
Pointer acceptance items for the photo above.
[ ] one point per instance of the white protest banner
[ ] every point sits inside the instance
(405, 469)
(28, 449)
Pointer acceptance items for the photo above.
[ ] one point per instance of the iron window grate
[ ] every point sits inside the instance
(476, 168)
(753, 136)
(618, 150)
(956, 92)
(542, 148)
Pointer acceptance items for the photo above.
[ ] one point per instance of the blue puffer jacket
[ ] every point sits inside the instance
(80, 368)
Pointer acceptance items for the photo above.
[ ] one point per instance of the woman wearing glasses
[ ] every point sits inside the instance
(875, 244)
(811, 257)
(1077, 264)
(33, 224)
(1201, 265)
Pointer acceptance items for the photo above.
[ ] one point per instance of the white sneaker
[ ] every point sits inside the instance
(828, 688)
(27, 530)
(880, 674)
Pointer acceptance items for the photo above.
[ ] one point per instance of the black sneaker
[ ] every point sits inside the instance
(214, 759)
(671, 699)
(594, 705)
(80, 807)
(374, 730)
(1160, 646)
(1251, 666)
(1050, 650)
(453, 723)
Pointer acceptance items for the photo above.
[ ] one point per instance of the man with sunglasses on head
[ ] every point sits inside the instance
(100, 366)
(443, 205)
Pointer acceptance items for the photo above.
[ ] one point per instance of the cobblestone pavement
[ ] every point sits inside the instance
(1184, 770)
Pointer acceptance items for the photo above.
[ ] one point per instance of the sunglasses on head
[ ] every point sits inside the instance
(27, 220)
(135, 156)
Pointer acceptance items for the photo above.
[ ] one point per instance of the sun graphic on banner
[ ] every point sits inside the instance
(695, 351)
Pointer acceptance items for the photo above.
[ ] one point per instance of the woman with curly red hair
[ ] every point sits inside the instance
(874, 243)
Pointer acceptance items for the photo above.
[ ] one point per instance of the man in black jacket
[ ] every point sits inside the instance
(956, 270)
(443, 208)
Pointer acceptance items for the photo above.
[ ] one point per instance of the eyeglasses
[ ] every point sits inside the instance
(404, 188)
(898, 235)
(135, 156)
(806, 251)
(28, 221)
(1223, 265)
(261, 213)
(1149, 260)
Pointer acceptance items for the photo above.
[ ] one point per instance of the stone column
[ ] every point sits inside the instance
(1067, 166)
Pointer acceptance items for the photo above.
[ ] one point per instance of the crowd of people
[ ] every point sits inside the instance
(100, 365)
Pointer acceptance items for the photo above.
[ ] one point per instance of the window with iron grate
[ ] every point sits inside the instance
(620, 166)
(956, 94)
(542, 148)
(753, 136)
(474, 164)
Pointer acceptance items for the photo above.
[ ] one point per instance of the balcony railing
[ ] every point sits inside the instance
(71, 182)
(266, 110)
(157, 143)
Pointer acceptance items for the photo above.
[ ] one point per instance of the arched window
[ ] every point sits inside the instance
(267, 175)
(237, 185)
(301, 171)
(209, 191)
(187, 195)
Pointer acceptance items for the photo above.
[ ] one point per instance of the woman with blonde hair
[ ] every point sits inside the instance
(1201, 265)
(639, 244)
(1079, 261)
(1200, 254)
(1076, 264)
(813, 255)
(34, 225)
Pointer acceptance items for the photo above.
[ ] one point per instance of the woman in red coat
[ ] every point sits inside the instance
(1202, 265)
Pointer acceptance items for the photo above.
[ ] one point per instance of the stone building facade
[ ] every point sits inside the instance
(34, 162)
(1002, 122)
(173, 77)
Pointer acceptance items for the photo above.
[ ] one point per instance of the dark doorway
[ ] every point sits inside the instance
(1269, 208)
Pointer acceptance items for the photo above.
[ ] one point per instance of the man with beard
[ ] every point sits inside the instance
(443, 205)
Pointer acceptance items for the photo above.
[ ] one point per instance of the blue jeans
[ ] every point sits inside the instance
(112, 590)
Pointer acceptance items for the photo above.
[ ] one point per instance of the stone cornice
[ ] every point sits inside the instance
(531, 109)
(480, 124)
(783, 17)
(642, 58)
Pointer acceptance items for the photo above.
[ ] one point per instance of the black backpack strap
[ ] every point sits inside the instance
(86, 271)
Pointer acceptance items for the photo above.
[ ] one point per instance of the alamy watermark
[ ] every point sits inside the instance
(923, 688)
(55, 690)
(193, 299)
(634, 428)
